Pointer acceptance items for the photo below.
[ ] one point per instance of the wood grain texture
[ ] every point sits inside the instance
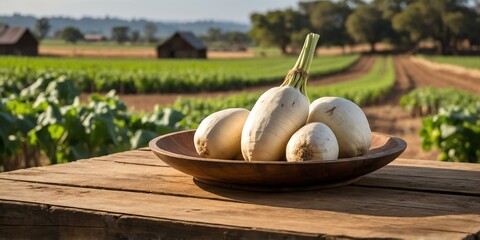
(139, 177)
(37, 221)
(135, 195)
(329, 218)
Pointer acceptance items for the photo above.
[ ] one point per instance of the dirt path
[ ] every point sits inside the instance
(389, 117)
(425, 76)
(456, 69)
(146, 102)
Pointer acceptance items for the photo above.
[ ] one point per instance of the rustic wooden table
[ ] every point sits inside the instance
(135, 195)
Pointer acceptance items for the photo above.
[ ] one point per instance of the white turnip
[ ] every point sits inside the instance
(347, 121)
(279, 112)
(218, 135)
(314, 141)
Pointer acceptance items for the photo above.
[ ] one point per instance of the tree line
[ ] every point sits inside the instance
(451, 25)
(119, 34)
(402, 23)
(231, 40)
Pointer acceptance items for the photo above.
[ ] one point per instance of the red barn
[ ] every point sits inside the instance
(18, 41)
(182, 45)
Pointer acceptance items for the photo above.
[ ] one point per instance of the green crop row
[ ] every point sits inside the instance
(160, 76)
(364, 90)
(367, 89)
(47, 120)
(429, 100)
(455, 131)
(464, 61)
(453, 124)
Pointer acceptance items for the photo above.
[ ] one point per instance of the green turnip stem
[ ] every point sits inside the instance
(298, 76)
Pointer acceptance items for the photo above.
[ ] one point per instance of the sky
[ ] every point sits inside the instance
(162, 10)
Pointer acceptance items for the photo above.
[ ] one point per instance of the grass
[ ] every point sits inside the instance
(464, 61)
(161, 76)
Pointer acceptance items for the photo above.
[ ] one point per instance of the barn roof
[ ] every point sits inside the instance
(191, 39)
(11, 35)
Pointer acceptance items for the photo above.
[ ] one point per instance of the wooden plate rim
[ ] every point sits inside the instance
(401, 145)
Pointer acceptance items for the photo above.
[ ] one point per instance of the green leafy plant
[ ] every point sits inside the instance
(428, 100)
(47, 118)
(456, 132)
(452, 124)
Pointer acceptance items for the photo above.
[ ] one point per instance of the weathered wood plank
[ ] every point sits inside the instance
(141, 156)
(135, 177)
(37, 221)
(397, 217)
(441, 180)
(430, 172)
(408, 198)
(436, 164)
(20, 220)
(110, 175)
(167, 181)
(426, 175)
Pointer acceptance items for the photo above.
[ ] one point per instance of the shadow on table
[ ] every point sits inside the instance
(399, 191)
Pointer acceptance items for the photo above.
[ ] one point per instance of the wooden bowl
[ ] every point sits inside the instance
(178, 151)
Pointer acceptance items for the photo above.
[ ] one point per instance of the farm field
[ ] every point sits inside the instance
(61, 44)
(163, 76)
(140, 52)
(386, 115)
(390, 117)
(377, 83)
(58, 48)
(463, 61)
(147, 102)
(375, 75)
(97, 52)
(39, 103)
(442, 77)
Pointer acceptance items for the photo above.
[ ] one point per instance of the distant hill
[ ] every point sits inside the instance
(104, 25)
